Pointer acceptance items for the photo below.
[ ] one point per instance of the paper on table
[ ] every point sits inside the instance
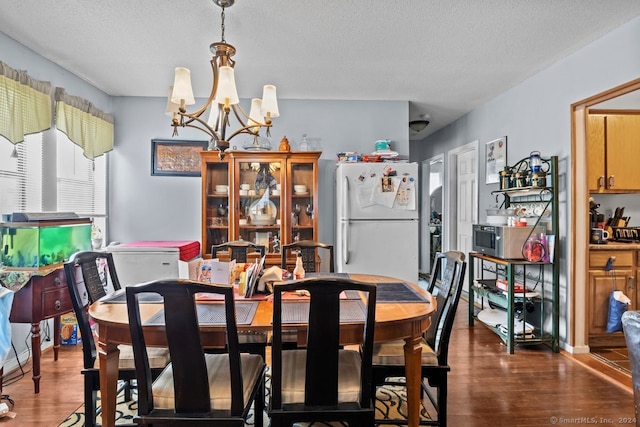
(271, 274)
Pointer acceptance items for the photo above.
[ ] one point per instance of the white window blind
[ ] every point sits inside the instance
(21, 178)
(81, 183)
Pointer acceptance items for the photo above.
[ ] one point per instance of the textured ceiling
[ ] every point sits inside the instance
(444, 56)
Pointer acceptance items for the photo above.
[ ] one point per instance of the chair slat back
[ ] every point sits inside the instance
(309, 250)
(238, 249)
(448, 276)
(86, 286)
(191, 382)
(323, 339)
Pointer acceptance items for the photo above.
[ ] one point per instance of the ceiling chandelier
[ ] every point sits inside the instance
(222, 102)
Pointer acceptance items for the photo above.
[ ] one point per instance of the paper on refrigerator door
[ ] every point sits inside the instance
(385, 191)
(406, 196)
(365, 185)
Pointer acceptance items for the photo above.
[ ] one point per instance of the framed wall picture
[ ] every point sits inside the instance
(174, 157)
(496, 159)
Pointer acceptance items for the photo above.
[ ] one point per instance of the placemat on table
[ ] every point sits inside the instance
(120, 297)
(298, 311)
(349, 294)
(214, 314)
(397, 292)
(327, 274)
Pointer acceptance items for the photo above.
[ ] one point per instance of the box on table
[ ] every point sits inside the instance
(220, 272)
(69, 331)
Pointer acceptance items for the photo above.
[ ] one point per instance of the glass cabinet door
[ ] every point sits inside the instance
(217, 204)
(260, 202)
(303, 218)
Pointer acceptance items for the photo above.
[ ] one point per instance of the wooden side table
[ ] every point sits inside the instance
(43, 297)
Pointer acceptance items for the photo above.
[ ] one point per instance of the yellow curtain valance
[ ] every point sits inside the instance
(84, 124)
(25, 104)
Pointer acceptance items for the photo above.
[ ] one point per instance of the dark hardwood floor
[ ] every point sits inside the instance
(487, 386)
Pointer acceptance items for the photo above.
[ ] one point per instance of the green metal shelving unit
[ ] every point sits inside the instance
(484, 270)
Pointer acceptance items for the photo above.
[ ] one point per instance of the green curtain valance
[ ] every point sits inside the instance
(25, 104)
(84, 124)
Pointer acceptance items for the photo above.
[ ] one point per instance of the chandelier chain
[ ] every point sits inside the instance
(219, 119)
(222, 25)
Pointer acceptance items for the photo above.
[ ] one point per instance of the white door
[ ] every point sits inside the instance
(467, 198)
(461, 197)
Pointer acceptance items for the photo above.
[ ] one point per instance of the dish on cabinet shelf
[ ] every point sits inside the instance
(306, 193)
(263, 212)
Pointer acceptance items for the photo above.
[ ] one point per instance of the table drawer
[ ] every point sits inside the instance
(56, 302)
(54, 281)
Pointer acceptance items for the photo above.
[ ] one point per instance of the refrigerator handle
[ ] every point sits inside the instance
(345, 241)
(345, 199)
(345, 221)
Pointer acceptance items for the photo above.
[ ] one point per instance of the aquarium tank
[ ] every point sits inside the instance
(39, 244)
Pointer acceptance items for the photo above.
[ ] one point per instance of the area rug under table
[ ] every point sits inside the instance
(391, 403)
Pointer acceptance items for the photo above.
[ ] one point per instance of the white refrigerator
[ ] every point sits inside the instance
(377, 219)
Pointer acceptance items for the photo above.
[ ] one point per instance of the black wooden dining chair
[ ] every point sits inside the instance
(322, 382)
(238, 249)
(197, 388)
(447, 278)
(309, 250)
(87, 283)
(250, 341)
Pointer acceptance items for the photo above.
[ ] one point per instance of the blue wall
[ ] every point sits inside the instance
(535, 115)
(145, 207)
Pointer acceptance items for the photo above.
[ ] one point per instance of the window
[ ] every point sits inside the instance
(80, 182)
(79, 185)
(21, 175)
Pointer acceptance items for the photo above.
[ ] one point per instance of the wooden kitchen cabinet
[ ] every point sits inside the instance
(613, 152)
(623, 277)
(261, 204)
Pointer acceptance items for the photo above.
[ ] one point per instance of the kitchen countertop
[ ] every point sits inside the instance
(618, 246)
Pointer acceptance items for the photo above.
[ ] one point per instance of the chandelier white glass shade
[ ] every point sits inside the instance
(222, 102)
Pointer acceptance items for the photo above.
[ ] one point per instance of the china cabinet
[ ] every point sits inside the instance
(268, 198)
(529, 315)
(613, 151)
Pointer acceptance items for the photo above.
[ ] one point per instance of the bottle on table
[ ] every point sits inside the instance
(298, 271)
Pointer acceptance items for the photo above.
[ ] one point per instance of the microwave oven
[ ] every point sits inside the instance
(502, 241)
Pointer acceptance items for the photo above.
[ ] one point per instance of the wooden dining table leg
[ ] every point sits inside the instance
(108, 356)
(413, 375)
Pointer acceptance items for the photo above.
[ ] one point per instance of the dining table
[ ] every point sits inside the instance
(403, 311)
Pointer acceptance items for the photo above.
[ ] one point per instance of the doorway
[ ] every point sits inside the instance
(580, 319)
(461, 199)
(431, 209)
